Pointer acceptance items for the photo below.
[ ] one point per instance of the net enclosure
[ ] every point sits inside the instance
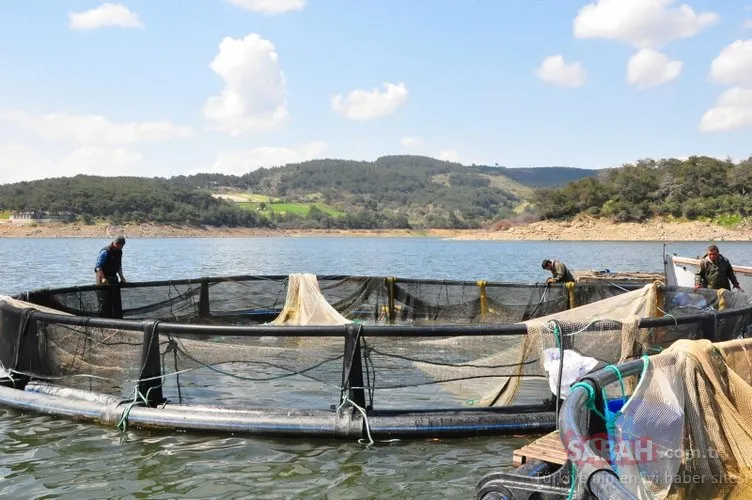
(674, 424)
(335, 356)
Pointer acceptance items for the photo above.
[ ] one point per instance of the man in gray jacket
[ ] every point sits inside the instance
(715, 271)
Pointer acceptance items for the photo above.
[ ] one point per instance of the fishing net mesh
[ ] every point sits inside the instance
(264, 369)
(686, 431)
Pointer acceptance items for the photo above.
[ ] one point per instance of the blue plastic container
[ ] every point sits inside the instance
(615, 405)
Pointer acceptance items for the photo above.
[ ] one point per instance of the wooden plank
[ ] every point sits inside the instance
(547, 448)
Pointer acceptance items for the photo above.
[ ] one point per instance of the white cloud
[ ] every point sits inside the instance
(733, 65)
(555, 70)
(21, 163)
(748, 23)
(362, 104)
(106, 15)
(100, 161)
(93, 129)
(648, 68)
(255, 94)
(242, 162)
(449, 155)
(269, 6)
(732, 110)
(411, 142)
(642, 23)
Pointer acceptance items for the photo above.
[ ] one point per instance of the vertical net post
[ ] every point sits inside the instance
(352, 366)
(390, 297)
(203, 299)
(483, 299)
(150, 378)
(570, 289)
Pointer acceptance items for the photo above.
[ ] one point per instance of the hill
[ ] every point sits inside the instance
(391, 192)
(547, 177)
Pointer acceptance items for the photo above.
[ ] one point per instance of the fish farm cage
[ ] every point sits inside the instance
(351, 357)
(676, 424)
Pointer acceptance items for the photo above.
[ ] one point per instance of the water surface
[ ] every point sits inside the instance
(45, 457)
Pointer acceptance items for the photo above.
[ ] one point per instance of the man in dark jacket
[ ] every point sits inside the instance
(108, 269)
(559, 271)
(715, 271)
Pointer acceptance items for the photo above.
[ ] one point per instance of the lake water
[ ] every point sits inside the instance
(47, 457)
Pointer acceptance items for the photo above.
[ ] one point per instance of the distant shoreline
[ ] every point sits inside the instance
(582, 229)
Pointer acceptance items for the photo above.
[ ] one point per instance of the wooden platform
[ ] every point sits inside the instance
(599, 276)
(547, 448)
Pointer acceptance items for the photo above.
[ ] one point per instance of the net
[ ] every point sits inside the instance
(379, 343)
(305, 305)
(687, 429)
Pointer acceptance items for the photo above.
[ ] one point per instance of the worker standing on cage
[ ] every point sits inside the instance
(108, 269)
(559, 271)
(715, 271)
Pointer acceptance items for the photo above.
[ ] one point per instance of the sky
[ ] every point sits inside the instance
(177, 87)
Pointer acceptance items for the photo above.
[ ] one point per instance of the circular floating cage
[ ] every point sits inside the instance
(360, 357)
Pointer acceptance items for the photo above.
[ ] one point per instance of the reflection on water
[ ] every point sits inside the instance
(44, 456)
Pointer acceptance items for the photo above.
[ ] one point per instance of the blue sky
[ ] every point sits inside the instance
(168, 87)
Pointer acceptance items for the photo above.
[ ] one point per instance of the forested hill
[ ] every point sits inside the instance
(393, 191)
(387, 171)
(698, 187)
(399, 192)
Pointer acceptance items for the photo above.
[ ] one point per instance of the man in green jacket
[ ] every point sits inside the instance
(715, 271)
(559, 271)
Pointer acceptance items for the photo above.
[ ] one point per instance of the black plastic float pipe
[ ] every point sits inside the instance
(278, 422)
(106, 409)
(328, 331)
(458, 424)
(285, 277)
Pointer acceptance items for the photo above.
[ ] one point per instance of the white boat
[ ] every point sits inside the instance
(680, 271)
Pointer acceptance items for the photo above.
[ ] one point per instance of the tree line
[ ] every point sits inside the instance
(402, 192)
(698, 187)
(391, 192)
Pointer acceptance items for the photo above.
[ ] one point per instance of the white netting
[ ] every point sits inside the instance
(306, 306)
(612, 341)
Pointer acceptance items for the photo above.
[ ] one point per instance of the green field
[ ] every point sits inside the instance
(259, 198)
(4, 214)
(291, 208)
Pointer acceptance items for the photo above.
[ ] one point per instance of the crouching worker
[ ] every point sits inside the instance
(109, 271)
(560, 273)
